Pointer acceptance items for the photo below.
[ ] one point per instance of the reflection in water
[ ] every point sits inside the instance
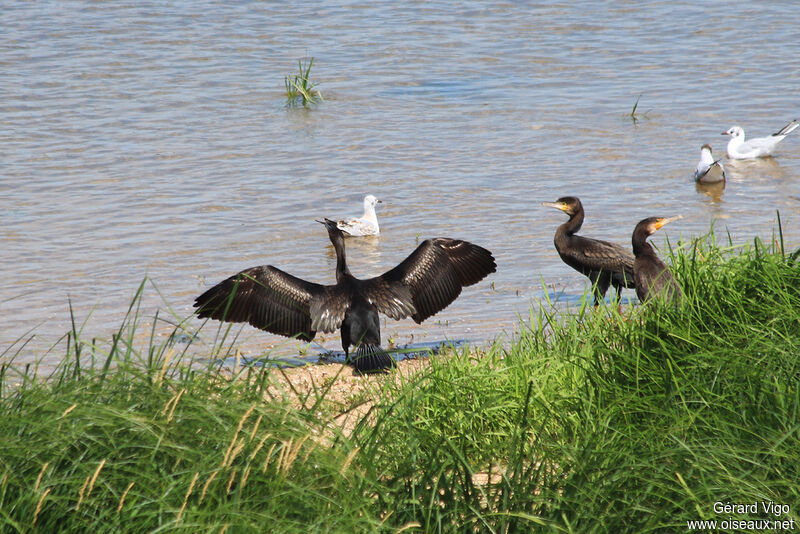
(755, 169)
(366, 252)
(363, 256)
(714, 190)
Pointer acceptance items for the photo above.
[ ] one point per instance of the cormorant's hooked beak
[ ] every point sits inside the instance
(557, 205)
(665, 221)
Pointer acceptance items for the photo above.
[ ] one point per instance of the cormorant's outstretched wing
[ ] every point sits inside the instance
(389, 297)
(275, 301)
(433, 275)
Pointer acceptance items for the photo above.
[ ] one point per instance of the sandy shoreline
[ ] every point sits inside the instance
(348, 397)
(341, 382)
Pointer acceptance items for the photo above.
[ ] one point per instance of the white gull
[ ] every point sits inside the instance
(364, 225)
(709, 170)
(759, 147)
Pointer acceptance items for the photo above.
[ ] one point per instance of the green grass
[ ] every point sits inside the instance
(590, 421)
(300, 89)
(635, 115)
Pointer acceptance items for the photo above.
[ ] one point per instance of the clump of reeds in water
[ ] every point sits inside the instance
(589, 421)
(300, 90)
(637, 115)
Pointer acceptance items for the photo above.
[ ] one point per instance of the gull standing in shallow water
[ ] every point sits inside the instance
(422, 285)
(367, 224)
(759, 147)
(651, 274)
(709, 170)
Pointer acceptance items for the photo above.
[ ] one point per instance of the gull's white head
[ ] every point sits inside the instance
(734, 131)
(705, 154)
(370, 202)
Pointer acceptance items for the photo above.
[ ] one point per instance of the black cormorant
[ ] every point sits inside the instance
(423, 284)
(603, 262)
(651, 274)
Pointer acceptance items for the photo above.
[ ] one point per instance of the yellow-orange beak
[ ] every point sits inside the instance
(666, 221)
(557, 205)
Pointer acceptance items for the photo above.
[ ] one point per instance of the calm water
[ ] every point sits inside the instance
(154, 140)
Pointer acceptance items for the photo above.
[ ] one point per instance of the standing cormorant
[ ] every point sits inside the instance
(603, 262)
(365, 225)
(423, 284)
(757, 147)
(652, 275)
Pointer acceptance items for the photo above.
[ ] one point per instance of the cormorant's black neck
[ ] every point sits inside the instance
(572, 225)
(342, 272)
(640, 245)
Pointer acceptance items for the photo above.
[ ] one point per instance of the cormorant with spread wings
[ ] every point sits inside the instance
(423, 284)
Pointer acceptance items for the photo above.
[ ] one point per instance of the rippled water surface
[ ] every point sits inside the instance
(153, 140)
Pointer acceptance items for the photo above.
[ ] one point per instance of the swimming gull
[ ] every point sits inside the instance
(759, 147)
(366, 224)
(709, 170)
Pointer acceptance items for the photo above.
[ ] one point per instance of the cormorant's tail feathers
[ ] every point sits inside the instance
(371, 359)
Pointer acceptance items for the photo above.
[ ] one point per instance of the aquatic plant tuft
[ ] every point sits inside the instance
(300, 90)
